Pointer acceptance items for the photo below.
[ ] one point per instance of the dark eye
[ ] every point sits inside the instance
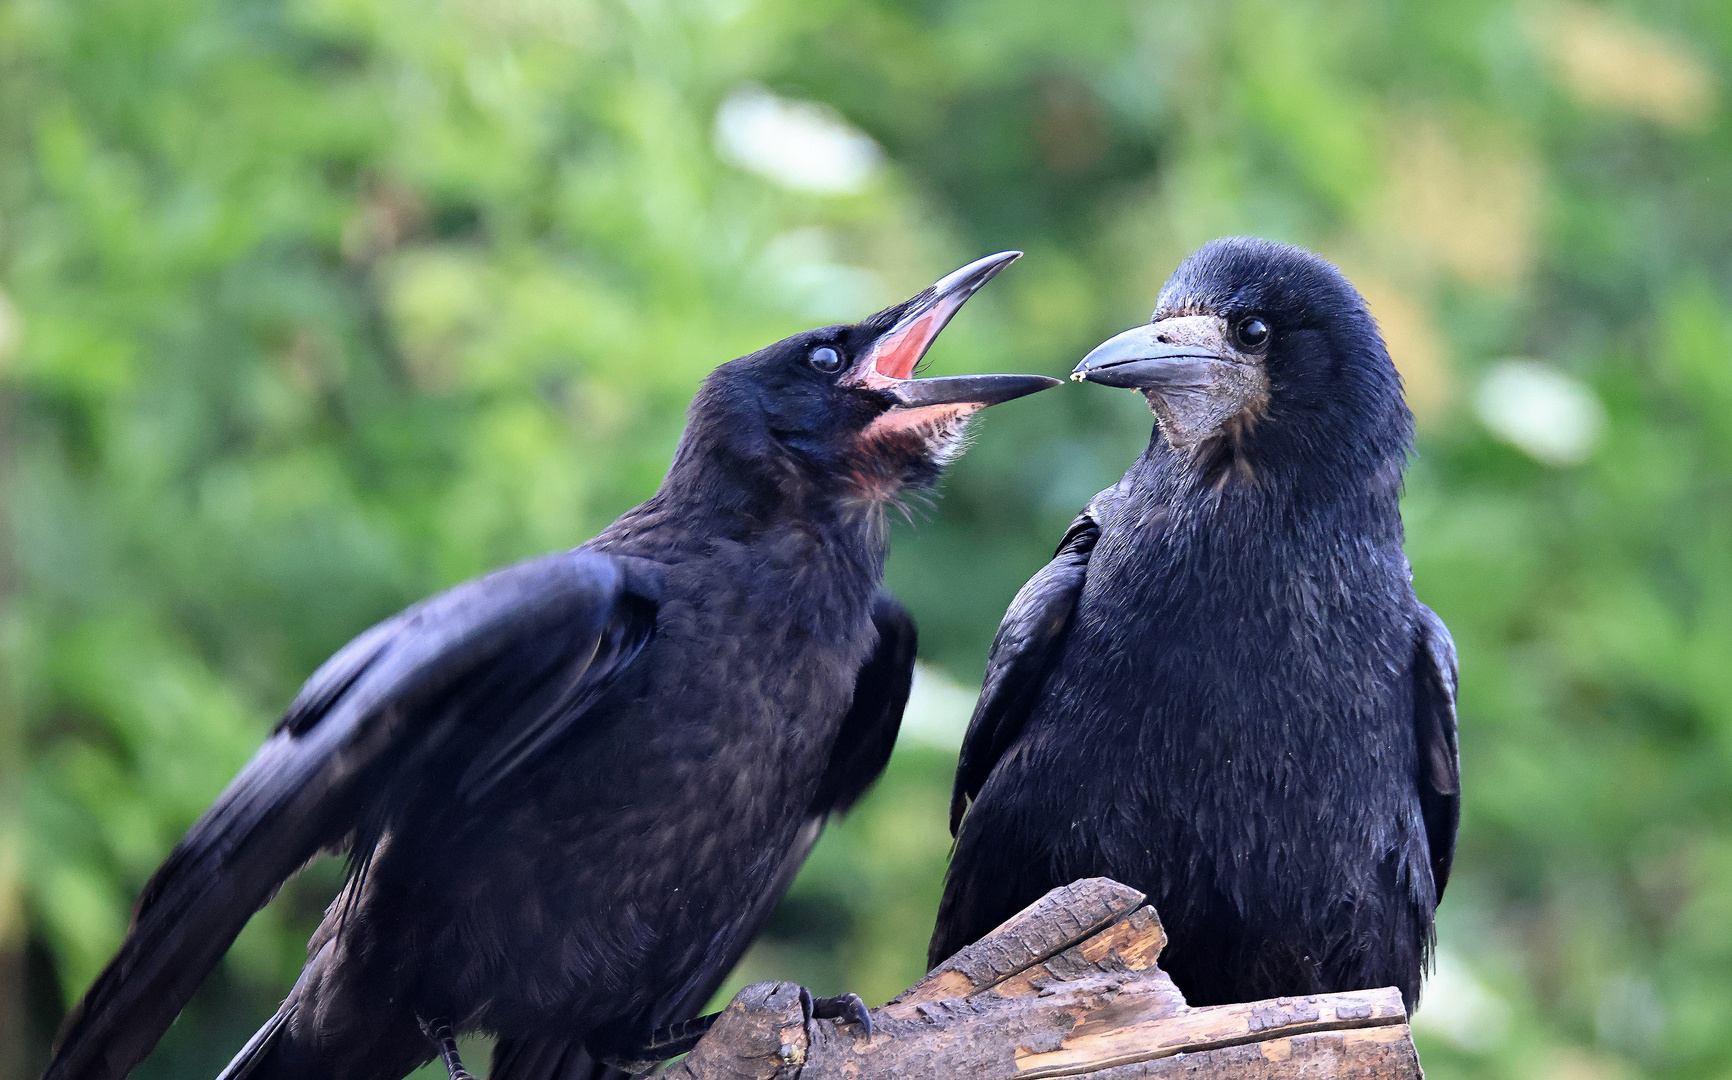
(1252, 333)
(825, 359)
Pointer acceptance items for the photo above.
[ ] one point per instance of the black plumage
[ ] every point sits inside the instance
(572, 790)
(1222, 690)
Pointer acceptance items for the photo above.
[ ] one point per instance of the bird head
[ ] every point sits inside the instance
(841, 406)
(1260, 351)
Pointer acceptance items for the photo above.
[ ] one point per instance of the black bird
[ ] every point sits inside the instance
(1222, 691)
(571, 791)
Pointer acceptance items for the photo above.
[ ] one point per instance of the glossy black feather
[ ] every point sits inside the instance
(858, 757)
(874, 718)
(1023, 651)
(1245, 713)
(572, 791)
(379, 704)
(1435, 679)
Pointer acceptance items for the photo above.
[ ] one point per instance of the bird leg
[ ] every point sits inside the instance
(676, 1039)
(439, 1033)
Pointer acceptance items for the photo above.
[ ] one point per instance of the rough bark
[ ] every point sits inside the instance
(1068, 987)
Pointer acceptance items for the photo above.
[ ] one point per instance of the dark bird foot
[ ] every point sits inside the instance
(676, 1039)
(847, 1008)
(439, 1033)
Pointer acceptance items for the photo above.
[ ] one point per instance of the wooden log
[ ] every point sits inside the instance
(1056, 921)
(1069, 987)
(763, 1033)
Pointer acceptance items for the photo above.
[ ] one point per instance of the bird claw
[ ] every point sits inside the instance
(848, 1008)
(677, 1039)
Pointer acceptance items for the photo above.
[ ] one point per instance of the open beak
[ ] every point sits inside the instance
(889, 364)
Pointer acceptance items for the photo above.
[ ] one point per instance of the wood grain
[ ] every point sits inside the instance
(1069, 987)
(1061, 918)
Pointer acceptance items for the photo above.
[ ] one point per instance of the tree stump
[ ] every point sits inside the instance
(1068, 987)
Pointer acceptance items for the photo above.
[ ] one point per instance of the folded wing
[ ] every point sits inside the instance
(1023, 650)
(857, 759)
(495, 669)
(1435, 676)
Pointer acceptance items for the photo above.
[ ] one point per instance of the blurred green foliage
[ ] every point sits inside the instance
(311, 307)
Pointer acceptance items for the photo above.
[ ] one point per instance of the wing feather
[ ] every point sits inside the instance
(869, 730)
(1436, 674)
(380, 704)
(858, 757)
(1023, 650)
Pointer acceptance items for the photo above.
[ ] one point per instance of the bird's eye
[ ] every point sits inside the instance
(826, 359)
(1252, 333)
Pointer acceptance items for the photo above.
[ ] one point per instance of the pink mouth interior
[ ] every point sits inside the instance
(895, 356)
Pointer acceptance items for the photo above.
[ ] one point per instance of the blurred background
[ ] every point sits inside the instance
(311, 307)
